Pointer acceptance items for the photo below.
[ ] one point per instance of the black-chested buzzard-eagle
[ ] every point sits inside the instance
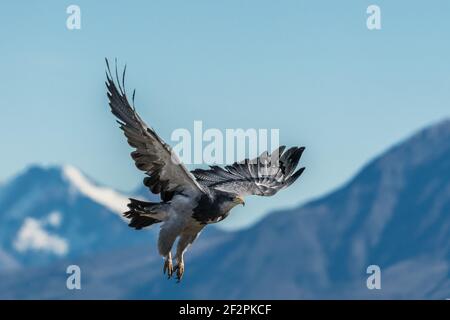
(191, 199)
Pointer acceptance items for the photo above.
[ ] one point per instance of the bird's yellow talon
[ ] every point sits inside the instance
(168, 267)
(180, 271)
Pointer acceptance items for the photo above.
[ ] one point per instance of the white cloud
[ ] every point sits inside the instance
(33, 236)
(105, 196)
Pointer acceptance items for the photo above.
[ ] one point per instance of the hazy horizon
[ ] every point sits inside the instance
(229, 226)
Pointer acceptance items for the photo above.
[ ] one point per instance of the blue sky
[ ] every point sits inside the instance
(310, 68)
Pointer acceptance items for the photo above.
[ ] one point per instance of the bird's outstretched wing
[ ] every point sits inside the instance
(262, 176)
(166, 172)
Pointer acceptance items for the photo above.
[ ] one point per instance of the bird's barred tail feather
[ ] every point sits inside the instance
(140, 213)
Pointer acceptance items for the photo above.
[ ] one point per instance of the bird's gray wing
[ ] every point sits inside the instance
(166, 172)
(262, 176)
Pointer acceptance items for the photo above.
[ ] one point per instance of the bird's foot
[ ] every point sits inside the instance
(180, 270)
(168, 266)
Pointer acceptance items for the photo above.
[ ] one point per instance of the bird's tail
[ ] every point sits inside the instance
(143, 214)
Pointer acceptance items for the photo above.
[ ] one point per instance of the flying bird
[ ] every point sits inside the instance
(190, 200)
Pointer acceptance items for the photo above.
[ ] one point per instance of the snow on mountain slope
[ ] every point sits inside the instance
(47, 212)
(107, 197)
(32, 235)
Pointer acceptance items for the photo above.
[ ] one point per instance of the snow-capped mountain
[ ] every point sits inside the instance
(48, 213)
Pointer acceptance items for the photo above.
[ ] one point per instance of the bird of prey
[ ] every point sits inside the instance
(190, 200)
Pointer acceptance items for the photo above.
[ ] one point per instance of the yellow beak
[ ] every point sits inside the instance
(239, 200)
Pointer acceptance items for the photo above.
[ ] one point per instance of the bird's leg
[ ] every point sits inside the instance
(179, 268)
(168, 266)
(185, 240)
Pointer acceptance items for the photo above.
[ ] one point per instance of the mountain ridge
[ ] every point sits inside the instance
(35, 196)
(394, 213)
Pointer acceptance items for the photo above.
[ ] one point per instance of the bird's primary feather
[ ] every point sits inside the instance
(262, 176)
(152, 154)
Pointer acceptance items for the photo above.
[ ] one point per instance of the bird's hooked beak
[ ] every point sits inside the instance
(239, 200)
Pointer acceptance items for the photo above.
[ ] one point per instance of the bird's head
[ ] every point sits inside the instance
(238, 200)
(228, 201)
